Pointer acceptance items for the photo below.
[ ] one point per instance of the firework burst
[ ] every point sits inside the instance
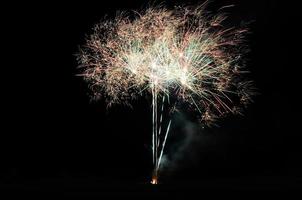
(179, 57)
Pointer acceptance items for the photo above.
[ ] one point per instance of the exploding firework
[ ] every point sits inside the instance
(184, 57)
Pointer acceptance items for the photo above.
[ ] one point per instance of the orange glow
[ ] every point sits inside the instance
(154, 181)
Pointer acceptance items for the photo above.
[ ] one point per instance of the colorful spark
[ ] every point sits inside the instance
(181, 57)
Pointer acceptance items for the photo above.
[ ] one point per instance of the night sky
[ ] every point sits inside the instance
(56, 140)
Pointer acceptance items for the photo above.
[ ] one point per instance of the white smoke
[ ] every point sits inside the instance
(188, 142)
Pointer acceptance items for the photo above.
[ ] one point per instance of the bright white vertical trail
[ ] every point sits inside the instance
(163, 146)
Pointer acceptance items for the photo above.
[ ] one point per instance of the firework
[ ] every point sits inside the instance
(182, 57)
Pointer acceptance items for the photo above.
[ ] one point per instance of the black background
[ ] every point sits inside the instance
(56, 140)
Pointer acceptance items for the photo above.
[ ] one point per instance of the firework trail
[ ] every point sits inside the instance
(182, 57)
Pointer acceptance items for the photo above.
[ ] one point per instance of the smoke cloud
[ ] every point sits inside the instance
(188, 144)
